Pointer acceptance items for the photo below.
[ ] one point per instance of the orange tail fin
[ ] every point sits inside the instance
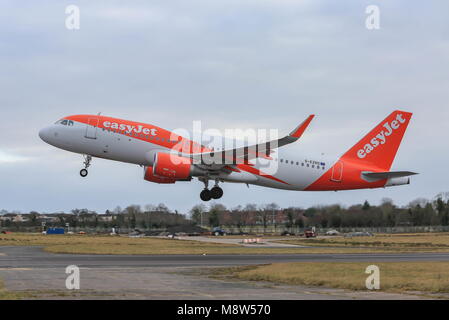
(378, 148)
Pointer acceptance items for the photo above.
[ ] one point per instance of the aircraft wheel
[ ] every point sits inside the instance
(216, 192)
(205, 195)
(83, 173)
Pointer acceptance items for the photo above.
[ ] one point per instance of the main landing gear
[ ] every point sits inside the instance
(87, 160)
(215, 193)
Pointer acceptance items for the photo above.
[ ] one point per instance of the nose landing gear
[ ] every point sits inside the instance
(83, 173)
(87, 160)
(215, 193)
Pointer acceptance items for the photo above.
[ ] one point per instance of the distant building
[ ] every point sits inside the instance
(47, 218)
(105, 217)
(21, 218)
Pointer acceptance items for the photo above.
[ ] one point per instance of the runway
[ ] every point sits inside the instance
(35, 257)
(174, 277)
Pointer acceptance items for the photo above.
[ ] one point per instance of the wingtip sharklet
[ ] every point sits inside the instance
(299, 130)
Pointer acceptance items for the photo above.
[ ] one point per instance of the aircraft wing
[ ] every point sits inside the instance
(243, 154)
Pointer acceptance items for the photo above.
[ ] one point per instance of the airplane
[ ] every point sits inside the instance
(168, 158)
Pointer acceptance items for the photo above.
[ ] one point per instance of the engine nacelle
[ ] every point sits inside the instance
(149, 176)
(172, 166)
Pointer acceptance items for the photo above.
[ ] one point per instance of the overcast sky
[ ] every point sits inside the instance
(230, 64)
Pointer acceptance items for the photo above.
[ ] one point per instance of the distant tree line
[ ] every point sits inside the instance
(149, 217)
(131, 217)
(420, 212)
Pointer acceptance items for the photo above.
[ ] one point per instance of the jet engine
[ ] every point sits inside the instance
(149, 176)
(171, 166)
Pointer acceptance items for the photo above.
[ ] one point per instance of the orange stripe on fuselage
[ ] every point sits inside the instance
(161, 137)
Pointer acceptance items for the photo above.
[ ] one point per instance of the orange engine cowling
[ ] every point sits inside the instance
(171, 166)
(149, 176)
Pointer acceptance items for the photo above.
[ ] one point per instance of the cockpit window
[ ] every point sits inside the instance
(65, 122)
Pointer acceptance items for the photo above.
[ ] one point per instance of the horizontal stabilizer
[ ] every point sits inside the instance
(386, 175)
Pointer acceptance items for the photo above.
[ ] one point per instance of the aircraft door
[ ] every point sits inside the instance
(91, 128)
(337, 172)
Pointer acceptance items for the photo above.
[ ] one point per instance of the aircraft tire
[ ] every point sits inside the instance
(83, 173)
(205, 195)
(216, 192)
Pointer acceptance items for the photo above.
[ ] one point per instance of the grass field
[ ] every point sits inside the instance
(33, 294)
(90, 244)
(421, 277)
(8, 295)
(435, 242)
(104, 244)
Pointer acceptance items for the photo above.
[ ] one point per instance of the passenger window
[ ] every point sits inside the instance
(282, 160)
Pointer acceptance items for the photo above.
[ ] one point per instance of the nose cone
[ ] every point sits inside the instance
(44, 134)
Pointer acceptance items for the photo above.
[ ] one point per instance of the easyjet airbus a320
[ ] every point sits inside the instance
(169, 158)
